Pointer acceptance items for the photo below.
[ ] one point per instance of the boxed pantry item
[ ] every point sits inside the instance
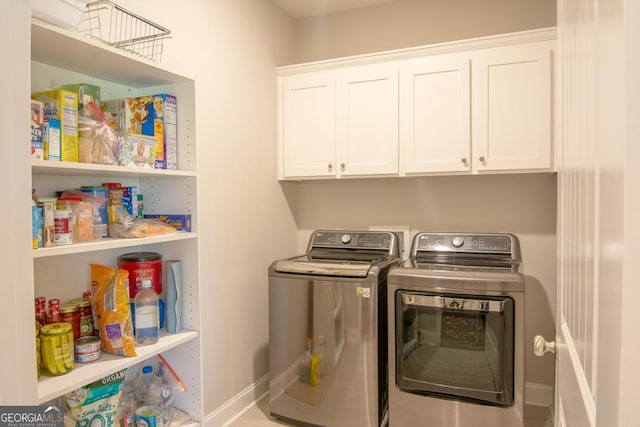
(163, 116)
(37, 132)
(63, 105)
(52, 139)
(180, 222)
(86, 93)
(130, 113)
(137, 151)
(152, 116)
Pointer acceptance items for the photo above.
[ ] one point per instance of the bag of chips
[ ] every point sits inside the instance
(110, 292)
(95, 404)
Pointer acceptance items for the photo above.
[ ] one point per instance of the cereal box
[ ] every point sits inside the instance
(162, 123)
(86, 93)
(37, 121)
(63, 105)
(152, 116)
(52, 139)
(130, 113)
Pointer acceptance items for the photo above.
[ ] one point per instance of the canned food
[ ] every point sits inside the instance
(148, 416)
(142, 266)
(87, 344)
(88, 356)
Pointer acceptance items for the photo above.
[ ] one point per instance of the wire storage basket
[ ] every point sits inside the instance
(118, 27)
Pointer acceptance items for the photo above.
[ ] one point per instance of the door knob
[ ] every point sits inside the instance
(481, 158)
(540, 346)
(343, 166)
(330, 167)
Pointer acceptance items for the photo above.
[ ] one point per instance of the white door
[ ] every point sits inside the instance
(307, 125)
(436, 122)
(367, 121)
(512, 109)
(596, 317)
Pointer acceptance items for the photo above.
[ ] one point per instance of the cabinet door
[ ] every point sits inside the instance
(436, 100)
(512, 109)
(308, 137)
(367, 123)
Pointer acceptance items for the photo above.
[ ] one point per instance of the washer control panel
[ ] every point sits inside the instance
(382, 241)
(465, 242)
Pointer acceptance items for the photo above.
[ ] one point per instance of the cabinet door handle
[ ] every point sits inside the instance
(330, 167)
(464, 160)
(482, 158)
(343, 166)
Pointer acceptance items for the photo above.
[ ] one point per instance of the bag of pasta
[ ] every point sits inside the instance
(110, 292)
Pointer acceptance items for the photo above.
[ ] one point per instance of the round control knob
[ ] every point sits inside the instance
(457, 242)
(346, 238)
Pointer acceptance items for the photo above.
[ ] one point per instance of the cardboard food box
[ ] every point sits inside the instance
(130, 113)
(163, 117)
(86, 93)
(137, 151)
(37, 131)
(152, 116)
(52, 139)
(180, 222)
(63, 105)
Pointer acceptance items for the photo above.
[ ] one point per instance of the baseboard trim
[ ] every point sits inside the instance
(538, 394)
(238, 405)
(535, 394)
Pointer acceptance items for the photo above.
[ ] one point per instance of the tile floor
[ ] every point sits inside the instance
(258, 416)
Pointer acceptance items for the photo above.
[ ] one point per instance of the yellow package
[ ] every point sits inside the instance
(62, 105)
(110, 292)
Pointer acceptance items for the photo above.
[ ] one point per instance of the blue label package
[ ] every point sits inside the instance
(181, 222)
(162, 122)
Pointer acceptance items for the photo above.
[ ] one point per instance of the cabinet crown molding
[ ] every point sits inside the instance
(508, 39)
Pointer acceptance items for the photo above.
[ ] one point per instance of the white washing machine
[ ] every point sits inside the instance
(456, 332)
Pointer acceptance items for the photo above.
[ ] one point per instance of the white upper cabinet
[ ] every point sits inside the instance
(512, 109)
(308, 125)
(436, 134)
(469, 107)
(339, 124)
(367, 125)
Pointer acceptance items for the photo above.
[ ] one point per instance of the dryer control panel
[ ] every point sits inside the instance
(464, 243)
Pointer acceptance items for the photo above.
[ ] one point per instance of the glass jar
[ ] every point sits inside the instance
(69, 313)
(56, 348)
(38, 354)
(86, 317)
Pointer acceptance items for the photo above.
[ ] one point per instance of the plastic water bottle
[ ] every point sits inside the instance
(147, 315)
(148, 395)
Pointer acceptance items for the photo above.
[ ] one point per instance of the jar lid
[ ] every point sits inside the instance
(82, 302)
(55, 328)
(140, 257)
(69, 307)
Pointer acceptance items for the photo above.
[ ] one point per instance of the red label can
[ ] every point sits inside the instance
(142, 266)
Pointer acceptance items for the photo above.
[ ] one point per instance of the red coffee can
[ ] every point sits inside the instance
(142, 266)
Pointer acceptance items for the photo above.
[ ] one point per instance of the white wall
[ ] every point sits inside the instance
(524, 205)
(244, 219)
(405, 23)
